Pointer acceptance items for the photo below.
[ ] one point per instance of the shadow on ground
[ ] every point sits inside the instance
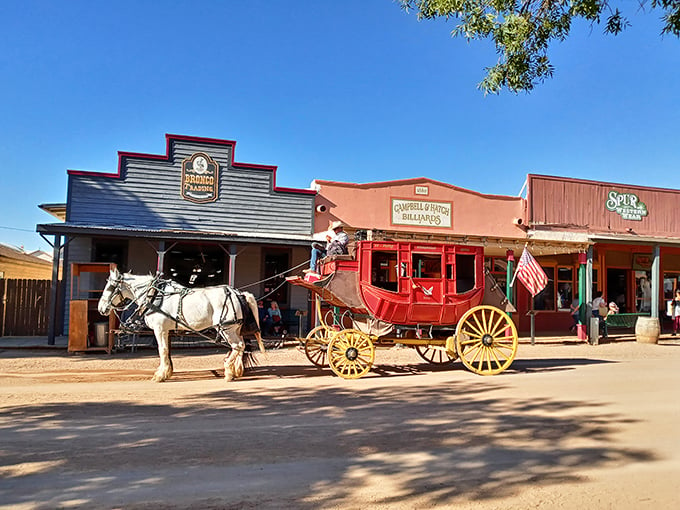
(462, 439)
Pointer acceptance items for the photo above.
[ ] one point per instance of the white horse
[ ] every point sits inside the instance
(167, 305)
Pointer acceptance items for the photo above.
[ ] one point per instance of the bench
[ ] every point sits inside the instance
(623, 320)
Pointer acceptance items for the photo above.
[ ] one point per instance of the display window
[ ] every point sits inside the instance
(671, 282)
(545, 300)
(643, 292)
(559, 293)
(565, 288)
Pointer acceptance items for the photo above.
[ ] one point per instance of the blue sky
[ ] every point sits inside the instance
(353, 90)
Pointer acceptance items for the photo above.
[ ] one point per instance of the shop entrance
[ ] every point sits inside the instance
(196, 265)
(616, 288)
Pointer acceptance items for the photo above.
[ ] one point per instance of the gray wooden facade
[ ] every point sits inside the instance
(146, 194)
(143, 203)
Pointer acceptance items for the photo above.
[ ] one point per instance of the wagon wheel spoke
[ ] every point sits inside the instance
(486, 340)
(434, 355)
(350, 353)
(316, 345)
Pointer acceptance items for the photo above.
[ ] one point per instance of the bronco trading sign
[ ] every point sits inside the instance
(200, 178)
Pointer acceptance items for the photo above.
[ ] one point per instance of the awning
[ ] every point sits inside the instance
(71, 229)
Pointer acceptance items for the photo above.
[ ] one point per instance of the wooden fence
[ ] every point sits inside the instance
(24, 307)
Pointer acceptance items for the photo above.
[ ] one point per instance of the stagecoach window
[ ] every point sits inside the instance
(384, 270)
(427, 265)
(465, 273)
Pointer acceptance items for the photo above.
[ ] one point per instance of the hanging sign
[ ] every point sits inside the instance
(627, 205)
(421, 213)
(642, 262)
(200, 178)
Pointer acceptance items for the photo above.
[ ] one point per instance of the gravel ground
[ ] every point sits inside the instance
(569, 425)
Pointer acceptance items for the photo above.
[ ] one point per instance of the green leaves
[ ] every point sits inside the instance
(522, 31)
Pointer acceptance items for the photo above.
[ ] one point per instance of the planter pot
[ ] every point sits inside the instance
(647, 330)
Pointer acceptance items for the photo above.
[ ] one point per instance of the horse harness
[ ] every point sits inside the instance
(157, 292)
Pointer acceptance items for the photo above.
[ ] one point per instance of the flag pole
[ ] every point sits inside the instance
(515, 275)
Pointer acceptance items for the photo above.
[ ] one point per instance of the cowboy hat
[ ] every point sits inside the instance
(336, 224)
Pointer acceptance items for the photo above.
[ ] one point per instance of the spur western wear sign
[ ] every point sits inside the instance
(200, 178)
(627, 205)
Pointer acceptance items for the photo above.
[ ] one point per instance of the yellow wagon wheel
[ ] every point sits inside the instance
(350, 353)
(316, 345)
(435, 355)
(486, 340)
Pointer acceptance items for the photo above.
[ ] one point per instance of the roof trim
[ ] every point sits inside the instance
(632, 239)
(601, 183)
(414, 180)
(56, 210)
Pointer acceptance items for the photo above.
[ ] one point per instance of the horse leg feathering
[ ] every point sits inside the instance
(233, 362)
(164, 370)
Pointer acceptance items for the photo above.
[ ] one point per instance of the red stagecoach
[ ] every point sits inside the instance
(435, 297)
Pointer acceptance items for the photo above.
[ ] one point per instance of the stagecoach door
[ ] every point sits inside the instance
(426, 283)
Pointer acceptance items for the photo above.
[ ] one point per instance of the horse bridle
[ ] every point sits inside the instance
(125, 302)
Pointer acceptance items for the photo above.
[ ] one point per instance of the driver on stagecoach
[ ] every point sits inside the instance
(336, 244)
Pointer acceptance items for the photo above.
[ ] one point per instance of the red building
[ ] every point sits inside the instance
(590, 236)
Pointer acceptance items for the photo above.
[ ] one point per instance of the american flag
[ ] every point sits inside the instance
(530, 273)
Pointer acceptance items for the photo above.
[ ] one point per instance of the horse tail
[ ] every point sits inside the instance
(252, 303)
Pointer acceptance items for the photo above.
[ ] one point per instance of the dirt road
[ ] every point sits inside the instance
(568, 426)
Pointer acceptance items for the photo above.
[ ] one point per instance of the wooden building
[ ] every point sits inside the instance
(193, 213)
(586, 235)
(16, 264)
(632, 234)
(201, 218)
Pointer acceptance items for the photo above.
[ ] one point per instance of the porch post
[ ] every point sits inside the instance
(52, 313)
(581, 328)
(232, 264)
(161, 258)
(510, 270)
(655, 281)
(589, 290)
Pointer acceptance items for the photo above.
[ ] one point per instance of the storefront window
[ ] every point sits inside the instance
(671, 282)
(498, 267)
(565, 286)
(643, 292)
(545, 300)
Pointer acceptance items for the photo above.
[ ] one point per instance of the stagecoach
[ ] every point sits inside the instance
(437, 298)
